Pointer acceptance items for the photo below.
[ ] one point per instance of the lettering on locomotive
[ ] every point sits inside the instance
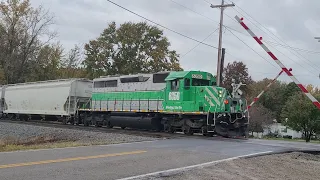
(174, 107)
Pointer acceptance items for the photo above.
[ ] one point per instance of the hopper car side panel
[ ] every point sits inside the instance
(58, 98)
(47, 99)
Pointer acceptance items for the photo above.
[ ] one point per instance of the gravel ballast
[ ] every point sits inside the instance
(25, 132)
(295, 166)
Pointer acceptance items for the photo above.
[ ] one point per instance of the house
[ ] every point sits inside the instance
(279, 130)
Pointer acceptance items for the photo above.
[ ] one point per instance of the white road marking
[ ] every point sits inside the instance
(166, 172)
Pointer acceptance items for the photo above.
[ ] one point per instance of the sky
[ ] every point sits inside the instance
(287, 27)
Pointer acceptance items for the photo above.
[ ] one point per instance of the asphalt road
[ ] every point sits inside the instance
(126, 160)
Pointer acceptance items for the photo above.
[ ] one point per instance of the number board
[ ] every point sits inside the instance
(196, 76)
(174, 96)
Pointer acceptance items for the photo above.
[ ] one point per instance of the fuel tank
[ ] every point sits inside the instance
(138, 122)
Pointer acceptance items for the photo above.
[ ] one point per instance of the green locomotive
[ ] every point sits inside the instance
(185, 101)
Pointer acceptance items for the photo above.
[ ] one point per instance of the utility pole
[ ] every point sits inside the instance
(222, 6)
(222, 63)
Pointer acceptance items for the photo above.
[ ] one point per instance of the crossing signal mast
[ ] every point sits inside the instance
(222, 7)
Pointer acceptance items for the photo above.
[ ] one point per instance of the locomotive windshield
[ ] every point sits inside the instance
(200, 82)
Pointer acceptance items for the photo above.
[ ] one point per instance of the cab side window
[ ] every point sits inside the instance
(187, 83)
(175, 85)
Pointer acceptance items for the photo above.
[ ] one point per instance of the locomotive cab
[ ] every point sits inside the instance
(183, 89)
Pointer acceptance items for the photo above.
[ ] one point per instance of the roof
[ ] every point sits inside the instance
(183, 74)
(177, 74)
(50, 81)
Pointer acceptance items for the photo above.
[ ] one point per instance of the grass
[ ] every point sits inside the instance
(292, 140)
(42, 142)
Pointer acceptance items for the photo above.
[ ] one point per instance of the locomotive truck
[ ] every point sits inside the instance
(175, 101)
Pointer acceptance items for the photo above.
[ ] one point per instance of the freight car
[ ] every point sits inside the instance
(185, 101)
(47, 100)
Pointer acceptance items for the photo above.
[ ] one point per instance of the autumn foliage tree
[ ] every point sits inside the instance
(70, 64)
(131, 48)
(237, 71)
(260, 118)
(301, 115)
(45, 63)
(21, 28)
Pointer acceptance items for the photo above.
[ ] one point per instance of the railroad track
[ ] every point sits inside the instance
(130, 131)
(139, 132)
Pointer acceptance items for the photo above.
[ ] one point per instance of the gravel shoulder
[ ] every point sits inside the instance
(15, 136)
(295, 166)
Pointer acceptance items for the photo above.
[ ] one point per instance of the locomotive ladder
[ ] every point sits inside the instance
(264, 90)
(295, 80)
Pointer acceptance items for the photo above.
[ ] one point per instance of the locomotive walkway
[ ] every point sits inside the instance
(131, 159)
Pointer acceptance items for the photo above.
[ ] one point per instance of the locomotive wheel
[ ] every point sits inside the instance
(171, 129)
(86, 123)
(97, 124)
(222, 130)
(109, 125)
(64, 121)
(187, 130)
(72, 121)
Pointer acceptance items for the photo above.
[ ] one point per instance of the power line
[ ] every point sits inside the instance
(252, 49)
(195, 11)
(205, 16)
(277, 43)
(207, 1)
(215, 30)
(293, 48)
(162, 25)
(274, 47)
(199, 43)
(272, 73)
(274, 36)
(233, 29)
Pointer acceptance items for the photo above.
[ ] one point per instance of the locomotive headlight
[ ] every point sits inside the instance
(220, 92)
(220, 95)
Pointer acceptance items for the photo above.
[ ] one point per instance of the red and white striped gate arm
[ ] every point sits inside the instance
(265, 89)
(295, 80)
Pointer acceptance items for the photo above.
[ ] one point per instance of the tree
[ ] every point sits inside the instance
(257, 86)
(131, 48)
(45, 63)
(70, 65)
(21, 28)
(239, 72)
(301, 115)
(260, 117)
(290, 90)
(312, 89)
(274, 98)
